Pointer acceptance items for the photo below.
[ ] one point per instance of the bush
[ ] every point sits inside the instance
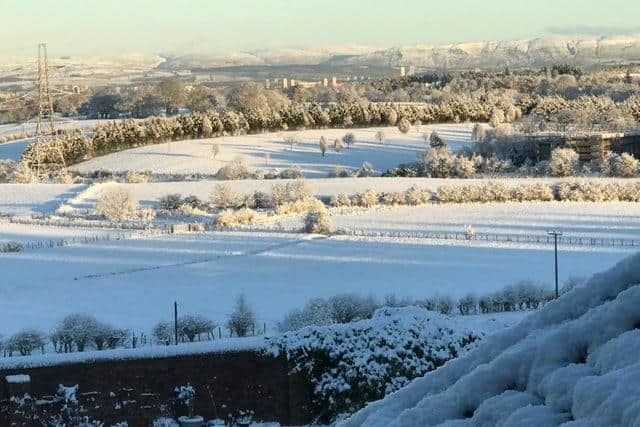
(467, 304)
(23, 174)
(464, 167)
(193, 326)
(229, 218)
(6, 170)
(261, 200)
(225, 197)
(317, 221)
(494, 192)
(533, 192)
(416, 196)
(367, 199)
(404, 125)
(366, 170)
(242, 320)
(338, 172)
(349, 139)
(393, 198)
(340, 200)
(345, 308)
(622, 165)
(106, 336)
(164, 333)
(138, 177)
(293, 172)
(445, 305)
(117, 205)
(11, 246)
(79, 329)
(299, 206)
(438, 162)
(564, 162)
(237, 169)
(315, 313)
(24, 342)
(435, 141)
(170, 202)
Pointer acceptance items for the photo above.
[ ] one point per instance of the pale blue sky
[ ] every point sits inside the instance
(153, 26)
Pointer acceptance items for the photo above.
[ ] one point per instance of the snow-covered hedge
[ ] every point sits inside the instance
(352, 364)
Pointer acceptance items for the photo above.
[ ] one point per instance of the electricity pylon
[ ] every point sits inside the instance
(45, 128)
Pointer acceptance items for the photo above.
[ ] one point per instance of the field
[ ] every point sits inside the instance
(132, 277)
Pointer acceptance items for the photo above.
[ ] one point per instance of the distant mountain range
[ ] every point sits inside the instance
(537, 52)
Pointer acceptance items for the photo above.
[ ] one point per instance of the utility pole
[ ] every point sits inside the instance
(555, 235)
(175, 320)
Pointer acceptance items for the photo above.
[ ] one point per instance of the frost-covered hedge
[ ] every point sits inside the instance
(352, 364)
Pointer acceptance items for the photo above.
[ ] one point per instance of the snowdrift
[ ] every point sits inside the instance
(575, 362)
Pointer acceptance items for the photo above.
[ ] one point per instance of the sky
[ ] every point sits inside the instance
(108, 27)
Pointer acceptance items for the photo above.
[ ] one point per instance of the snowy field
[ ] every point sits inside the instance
(133, 283)
(269, 151)
(37, 199)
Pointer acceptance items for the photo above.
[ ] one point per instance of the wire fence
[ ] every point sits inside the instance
(502, 237)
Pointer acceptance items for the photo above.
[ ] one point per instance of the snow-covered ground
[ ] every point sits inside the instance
(268, 151)
(39, 199)
(133, 283)
(576, 362)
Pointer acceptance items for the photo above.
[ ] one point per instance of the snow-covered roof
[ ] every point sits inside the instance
(18, 379)
(576, 362)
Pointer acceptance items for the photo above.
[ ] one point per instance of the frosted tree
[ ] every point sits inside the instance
(404, 125)
(24, 342)
(317, 221)
(225, 197)
(207, 127)
(242, 320)
(193, 326)
(497, 117)
(380, 136)
(117, 205)
(435, 140)
(564, 162)
(79, 329)
(215, 151)
(349, 139)
(291, 141)
(323, 145)
(338, 145)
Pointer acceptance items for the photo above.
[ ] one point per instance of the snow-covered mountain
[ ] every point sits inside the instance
(535, 52)
(574, 363)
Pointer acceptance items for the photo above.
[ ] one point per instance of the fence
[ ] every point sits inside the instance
(501, 237)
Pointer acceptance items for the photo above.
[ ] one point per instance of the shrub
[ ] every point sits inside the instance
(106, 336)
(315, 313)
(494, 192)
(299, 190)
(138, 177)
(564, 162)
(237, 169)
(533, 192)
(450, 194)
(366, 170)
(24, 342)
(170, 202)
(622, 165)
(229, 218)
(367, 199)
(404, 125)
(438, 162)
(393, 198)
(79, 329)
(349, 139)
(11, 246)
(435, 141)
(164, 333)
(338, 145)
(6, 170)
(340, 199)
(338, 172)
(299, 206)
(117, 205)
(242, 320)
(416, 196)
(317, 221)
(261, 200)
(445, 305)
(225, 197)
(345, 308)
(467, 304)
(23, 174)
(193, 326)
(464, 167)
(293, 172)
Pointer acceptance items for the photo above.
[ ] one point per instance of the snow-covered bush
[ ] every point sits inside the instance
(404, 125)
(339, 172)
(340, 200)
(292, 172)
(230, 218)
(445, 304)
(571, 283)
(464, 167)
(117, 205)
(25, 342)
(450, 194)
(416, 196)
(138, 177)
(225, 197)
(494, 191)
(170, 202)
(380, 136)
(323, 145)
(237, 169)
(345, 308)
(533, 192)
(242, 320)
(11, 246)
(564, 162)
(6, 170)
(435, 140)
(350, 365)
(365, 170)
(315, 313)
(164, 333)
(261, 200)
(23, 174)
(367, 199)
(194, 326)
(185, 395)
(165, 422)
(438, 162)
(467, 304)
(349, 139)
(393, 198)
(106, 336)
(75, 329)
(317, 221)
(300, 206)
(338, 145)
(622, 165)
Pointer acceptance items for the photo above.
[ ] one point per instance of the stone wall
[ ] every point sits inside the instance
(139, 390)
